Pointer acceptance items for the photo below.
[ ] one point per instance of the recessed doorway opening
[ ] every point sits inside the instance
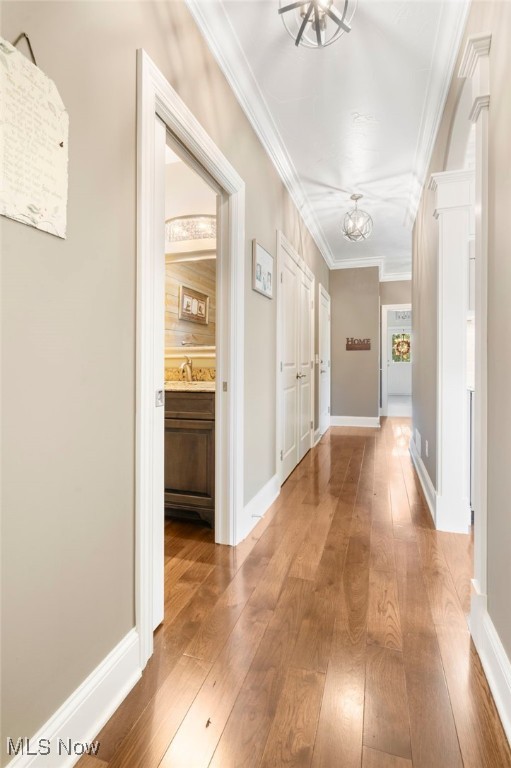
(396, 362)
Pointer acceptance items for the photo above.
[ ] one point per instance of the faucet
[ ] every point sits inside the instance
(187, 368)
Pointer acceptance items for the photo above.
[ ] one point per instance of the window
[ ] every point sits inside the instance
(401, 347)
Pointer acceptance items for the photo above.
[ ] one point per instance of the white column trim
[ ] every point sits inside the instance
(475, 67)
(454, 204)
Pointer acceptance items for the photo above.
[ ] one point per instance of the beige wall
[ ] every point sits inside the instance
(355, 311)
(494, 17)
(68, 369)
(396, 292)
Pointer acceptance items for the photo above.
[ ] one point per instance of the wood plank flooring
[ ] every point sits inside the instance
(335, 636)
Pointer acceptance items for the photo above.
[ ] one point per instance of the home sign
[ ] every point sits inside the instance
(357, 345)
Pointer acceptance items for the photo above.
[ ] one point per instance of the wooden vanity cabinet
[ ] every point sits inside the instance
(190, 455)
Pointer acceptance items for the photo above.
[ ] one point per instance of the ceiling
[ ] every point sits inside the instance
(359, 116)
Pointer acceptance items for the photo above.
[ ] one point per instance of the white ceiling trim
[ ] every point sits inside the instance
(451, 25)
(358, 264)
(212, 19)
(385, 277)
(395, 277)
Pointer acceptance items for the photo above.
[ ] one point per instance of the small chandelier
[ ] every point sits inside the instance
(196, 227)
(357, 225)
(317, 23)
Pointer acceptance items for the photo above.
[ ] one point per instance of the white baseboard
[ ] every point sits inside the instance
(85, 712)
(495, 661)
(424, 478)
(257, 506)
(355, 421)
(317, 437)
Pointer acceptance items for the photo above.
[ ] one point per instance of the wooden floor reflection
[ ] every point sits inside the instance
(335, 636)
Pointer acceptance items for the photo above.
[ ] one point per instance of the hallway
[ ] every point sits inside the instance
(334, 636)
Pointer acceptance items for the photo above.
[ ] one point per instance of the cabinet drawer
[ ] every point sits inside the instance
(190, 405)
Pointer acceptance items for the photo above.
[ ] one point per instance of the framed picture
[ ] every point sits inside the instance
(262, 277)
(193, 305)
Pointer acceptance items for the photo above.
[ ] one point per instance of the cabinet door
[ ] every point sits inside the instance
(190, 466)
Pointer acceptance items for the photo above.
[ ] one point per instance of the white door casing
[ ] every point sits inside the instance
(158, 457)
(295, 339)
(156, 97)
(324, 359)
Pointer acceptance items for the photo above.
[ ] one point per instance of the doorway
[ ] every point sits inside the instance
(190, 340)
(160, 110)
(295, 353)
(396, 364)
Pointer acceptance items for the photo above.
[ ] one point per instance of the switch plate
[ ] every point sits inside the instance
(159, 398)
(427, 448)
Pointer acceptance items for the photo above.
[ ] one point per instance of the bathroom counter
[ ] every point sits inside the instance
(190, 386)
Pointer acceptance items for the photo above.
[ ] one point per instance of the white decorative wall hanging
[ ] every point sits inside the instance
(34, 128)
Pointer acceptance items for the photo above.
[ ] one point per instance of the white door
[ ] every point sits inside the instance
(289, 365)
(305, 364)
(324, 360)
(296, 307)
(399, 366)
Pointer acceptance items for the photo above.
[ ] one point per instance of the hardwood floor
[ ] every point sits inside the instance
(334, 636)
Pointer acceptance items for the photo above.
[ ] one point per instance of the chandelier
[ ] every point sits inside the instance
(317, 23)
(357, 224)
(196, 227)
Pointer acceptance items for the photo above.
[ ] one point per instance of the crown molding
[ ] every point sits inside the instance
(450, 177)
(480, 103)
(212, 20)
(477, 46)
(395, 277)
(451, 26)
(360, 263)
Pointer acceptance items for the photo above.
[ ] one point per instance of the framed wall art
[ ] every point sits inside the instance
(262, 277)
(193, 305)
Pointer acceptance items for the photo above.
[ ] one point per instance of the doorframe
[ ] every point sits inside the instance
(157, 98)
(284, 244)
(323, 292)
(385, 309)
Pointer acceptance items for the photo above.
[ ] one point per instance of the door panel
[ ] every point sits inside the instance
(304, 382)
(324, 361)
(289, 293)
(296, 379)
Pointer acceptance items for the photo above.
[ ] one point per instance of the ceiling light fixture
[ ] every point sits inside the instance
(197, 227)
(357, 224)
(317, 23)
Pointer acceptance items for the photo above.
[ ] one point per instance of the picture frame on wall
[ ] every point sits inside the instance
(193, 305)
(262, 270)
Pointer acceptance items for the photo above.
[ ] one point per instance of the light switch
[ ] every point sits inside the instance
(159, 398)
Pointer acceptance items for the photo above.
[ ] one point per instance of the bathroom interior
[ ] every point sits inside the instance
(190, 348)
